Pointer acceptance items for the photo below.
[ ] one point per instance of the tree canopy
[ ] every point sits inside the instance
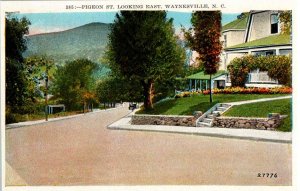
(143, 47)
(15, 43)
(74, 83)
(204, 38)
(286, 22)
(16, 71)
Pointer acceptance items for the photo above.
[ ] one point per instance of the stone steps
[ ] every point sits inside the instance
(210, 116)
(207, 121)
(203, 124)
(216, 112)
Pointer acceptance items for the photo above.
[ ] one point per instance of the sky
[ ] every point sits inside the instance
(54, 22)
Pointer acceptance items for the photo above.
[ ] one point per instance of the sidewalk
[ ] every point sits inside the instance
(258, 100)
(28, 123)
(247, 134)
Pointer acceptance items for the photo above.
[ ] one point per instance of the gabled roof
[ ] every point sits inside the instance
(274, 40)
(202, 76)
(240, 23)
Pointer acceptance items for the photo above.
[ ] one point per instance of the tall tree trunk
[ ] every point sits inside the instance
(210, 93)
(148, 94)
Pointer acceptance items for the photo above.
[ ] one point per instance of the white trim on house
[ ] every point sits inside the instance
(248, 25)
(254, 85)
(258, 48)
(228, 30)
(263, 85)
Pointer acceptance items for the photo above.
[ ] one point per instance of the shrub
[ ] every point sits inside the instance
(15, 118)
(278, 67)
(178, 96)
(281, 69)
(239, 69)
(184, 94)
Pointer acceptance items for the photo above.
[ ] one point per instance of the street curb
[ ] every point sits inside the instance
(204, 134)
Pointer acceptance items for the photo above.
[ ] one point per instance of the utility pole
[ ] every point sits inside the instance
(46, 93)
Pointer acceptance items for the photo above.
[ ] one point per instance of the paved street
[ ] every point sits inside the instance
(82, 151)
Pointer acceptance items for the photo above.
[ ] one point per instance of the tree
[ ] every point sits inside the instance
(39, 67)
(16, 81)
(285, 18)
(143, 48)
(204, 38)
(74, 83)
(117, 89)
(15, 43)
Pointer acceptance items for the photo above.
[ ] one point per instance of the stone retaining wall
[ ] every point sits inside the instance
(173, 120)
(270, 123)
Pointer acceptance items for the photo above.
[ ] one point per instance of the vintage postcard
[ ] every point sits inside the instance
(120, 94)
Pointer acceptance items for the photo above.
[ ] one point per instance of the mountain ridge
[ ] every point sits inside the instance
(78, 42)
(86, 41)
(81, 26)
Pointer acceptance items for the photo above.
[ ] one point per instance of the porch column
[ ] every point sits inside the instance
(277, 51)
(195, 85)
(200, 84)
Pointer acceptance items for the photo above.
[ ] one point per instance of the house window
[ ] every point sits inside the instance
(225, 41)
(264, 53)
(269, 53)
(274, 23)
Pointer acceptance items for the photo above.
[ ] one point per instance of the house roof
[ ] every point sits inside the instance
(239, 23)
(274, 40)
(202, 76)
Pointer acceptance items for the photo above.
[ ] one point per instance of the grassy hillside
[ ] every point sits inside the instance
(87, 41)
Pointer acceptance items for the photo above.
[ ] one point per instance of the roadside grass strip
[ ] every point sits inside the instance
(262, 109)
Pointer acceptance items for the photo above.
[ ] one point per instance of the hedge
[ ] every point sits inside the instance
(278, 67)
(239, 90)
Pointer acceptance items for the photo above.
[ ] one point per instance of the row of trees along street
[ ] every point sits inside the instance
(143, 55)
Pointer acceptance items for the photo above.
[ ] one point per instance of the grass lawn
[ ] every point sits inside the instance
(262, 109)
(187, 105)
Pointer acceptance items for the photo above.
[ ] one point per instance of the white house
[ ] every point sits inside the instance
(256, 33)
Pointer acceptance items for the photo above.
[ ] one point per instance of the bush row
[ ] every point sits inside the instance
(239, 90)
